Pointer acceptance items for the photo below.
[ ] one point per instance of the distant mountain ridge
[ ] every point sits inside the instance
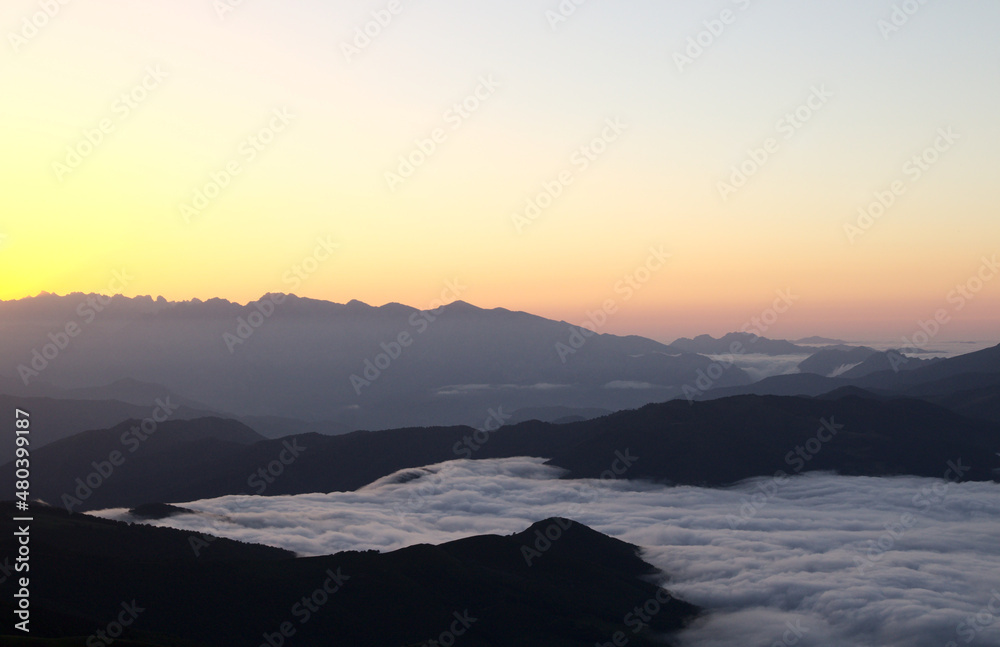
(817, 340)
(827, 361)
(716, 442)
(858, 361)
(288, 365)
(349, 365)
(968, 384)
(910, 374)
(750, 343)
(890, 360)
(55, 419)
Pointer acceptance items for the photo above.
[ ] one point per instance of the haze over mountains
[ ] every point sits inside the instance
(893, 423)
(352, 364)
(318, 427)
(518, 324)
(290, 365)
(57, 418)
(968, 383)
(286, 365)
(719, 442)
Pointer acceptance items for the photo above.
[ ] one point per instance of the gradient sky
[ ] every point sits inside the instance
(324, 175)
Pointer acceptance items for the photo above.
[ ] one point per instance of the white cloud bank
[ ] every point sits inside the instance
(759, 366)
(816, 560)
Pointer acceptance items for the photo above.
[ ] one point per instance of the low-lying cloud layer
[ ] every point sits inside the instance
(758, 366)
(814, 560)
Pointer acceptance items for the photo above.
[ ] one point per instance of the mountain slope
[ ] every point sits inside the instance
(986, 361)
(827, 361)
(714, 442)
(54, 419)
(966, 371)
(580, 590)
(130, 460)
(891, 360)
(723, 441)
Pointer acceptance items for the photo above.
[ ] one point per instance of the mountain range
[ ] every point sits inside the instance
(342, 366)
(716, 442)
(967, 383)
(150, 404)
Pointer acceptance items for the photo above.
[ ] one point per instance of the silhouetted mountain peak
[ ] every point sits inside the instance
(748, 343)
(573, 540)
(463, 307)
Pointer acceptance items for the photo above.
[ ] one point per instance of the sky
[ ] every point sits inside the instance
(546, 156)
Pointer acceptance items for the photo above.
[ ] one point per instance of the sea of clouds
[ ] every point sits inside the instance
(818, 559)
